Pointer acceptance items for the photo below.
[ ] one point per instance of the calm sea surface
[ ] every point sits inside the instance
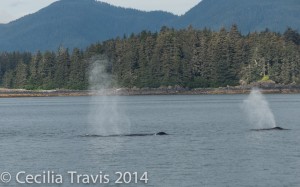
(210, 141)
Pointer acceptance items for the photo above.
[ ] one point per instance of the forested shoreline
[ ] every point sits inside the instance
(186, 58)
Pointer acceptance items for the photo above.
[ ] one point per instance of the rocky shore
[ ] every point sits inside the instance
(267, 88)
(40, 93)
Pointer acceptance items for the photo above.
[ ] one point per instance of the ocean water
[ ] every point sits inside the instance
(210, 142)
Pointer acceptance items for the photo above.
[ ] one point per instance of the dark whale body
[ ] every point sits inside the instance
(124, 135)
(270, 129)
(161, 133)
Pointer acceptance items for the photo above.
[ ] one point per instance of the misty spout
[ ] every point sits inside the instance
(106, 115)
(258, 111)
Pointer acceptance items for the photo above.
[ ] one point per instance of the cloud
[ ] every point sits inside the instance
(14, 9)
(16, 3)
(5, 16)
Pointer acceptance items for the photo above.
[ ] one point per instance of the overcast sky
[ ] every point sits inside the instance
(13, 9)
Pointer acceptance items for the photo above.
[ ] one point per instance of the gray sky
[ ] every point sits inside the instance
(13, 9)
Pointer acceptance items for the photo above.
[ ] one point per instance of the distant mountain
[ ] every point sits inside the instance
(78, 23)
(249, 15)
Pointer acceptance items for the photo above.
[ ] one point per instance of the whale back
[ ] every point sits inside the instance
(161, 133)
(270, 129)
(278, 128)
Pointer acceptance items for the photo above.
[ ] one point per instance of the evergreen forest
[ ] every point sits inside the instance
(188, 58)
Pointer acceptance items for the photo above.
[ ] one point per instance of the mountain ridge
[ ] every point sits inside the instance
(76, 24)
(250, 16)
(79, 23)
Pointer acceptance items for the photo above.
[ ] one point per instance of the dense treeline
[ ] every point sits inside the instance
(47, 70)
(187, 58)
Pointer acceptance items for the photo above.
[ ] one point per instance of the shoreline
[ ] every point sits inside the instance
(277, 89)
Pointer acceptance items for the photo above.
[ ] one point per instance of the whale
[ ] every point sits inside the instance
(270, 129)
(124, 135)
(160, 134)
